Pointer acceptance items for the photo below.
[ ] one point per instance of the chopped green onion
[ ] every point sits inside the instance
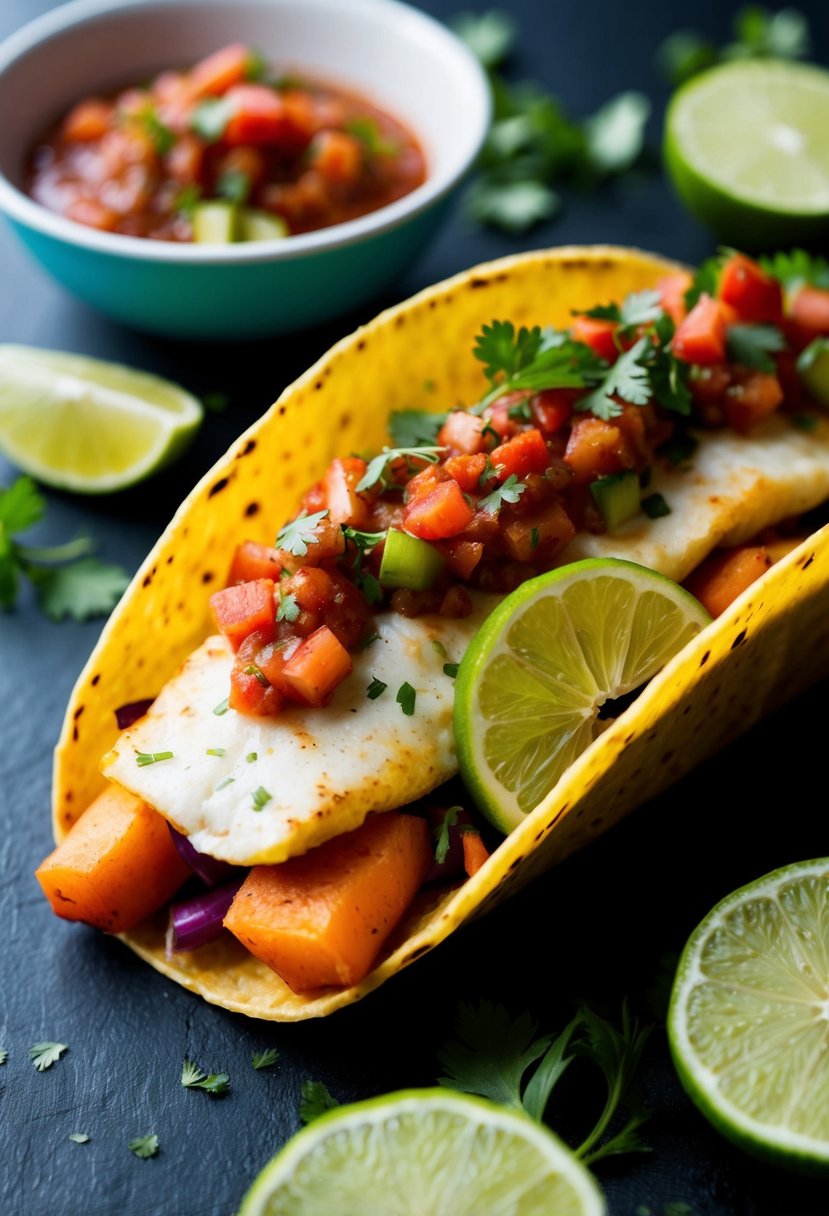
(253, 670)
(142, 759)
(406, 698)
(451, 669)
(221, 708)
(215, 751)
(223, 784)
(251, 756)
(260, 798)
(375, 689)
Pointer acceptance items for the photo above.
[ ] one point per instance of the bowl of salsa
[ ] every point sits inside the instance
(210, 170)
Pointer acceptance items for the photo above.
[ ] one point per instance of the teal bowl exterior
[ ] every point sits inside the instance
(216, 301)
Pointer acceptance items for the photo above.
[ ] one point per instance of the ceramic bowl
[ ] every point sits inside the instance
(405, 61)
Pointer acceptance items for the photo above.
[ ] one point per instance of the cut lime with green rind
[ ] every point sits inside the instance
(745, 145)
(86, 425)
(424, 1152)
(748, 1023)
(534, 678)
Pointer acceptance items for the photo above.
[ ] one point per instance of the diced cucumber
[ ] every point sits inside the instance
(813, 367)
(617, 497)
(409, 562)
(215, 223)
(257, 225)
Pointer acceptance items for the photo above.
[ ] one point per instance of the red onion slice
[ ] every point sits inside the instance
(198, 920)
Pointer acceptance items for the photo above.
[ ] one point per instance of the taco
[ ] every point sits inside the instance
(595, 362)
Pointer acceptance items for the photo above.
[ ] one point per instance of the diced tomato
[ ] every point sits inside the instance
(250, 695)
(249, 162)
(755, 295)
(216, 73)
(596, 448)
(466, 470)
(598, 334)
(88, 121)
(631, 422)
(316, 667)
(672, 289)
(462, 433)
(253, 561)
(271, 659)
(524, 454)
(245, 609)
(700, 338)
(506, 415)
(552, 408)
(311, 587)
(257, 117)
(92, 213)
(440, 513)
(539, 534)
(345, 505)
(337, 156)
(301, 119)
(185, 158)
(751, 397)
(809, 314)
(456, 603)
(462, 556)
(328, 542)
(425, 481)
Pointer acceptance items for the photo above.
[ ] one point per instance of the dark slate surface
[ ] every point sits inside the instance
(600, 926)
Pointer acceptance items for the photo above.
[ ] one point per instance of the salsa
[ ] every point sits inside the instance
(225, 151)
(484, 498)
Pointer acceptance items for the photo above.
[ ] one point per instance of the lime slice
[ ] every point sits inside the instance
(534, 678)
(746, 147)
(749, 1017)
(424, 1153)
(81, 424)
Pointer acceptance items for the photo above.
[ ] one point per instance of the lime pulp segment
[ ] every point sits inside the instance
(424, 1153)
(535, 677)
(749, 1018)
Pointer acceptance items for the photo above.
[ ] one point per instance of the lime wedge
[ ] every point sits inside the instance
(749, 1017)
(745, 144)
(85, 425)
(423, 1153)
(534, 678)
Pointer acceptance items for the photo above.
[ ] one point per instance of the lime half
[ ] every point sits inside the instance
(85, 425)
(749, 1017)
(746, 147)
(424, 1153)
(534, 679)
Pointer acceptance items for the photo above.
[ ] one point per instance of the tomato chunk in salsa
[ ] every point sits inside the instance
(225, 151)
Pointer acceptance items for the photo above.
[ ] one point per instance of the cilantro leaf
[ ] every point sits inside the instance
(367, 132)
(797, 269)
(654, 506)
(234, 185)
(706, 280)
(144, 1146)
(616, 132)
(516, 205)
(299, 533)
(21, 506)
(4, 1055)
(412, 428)
(315, 1100)
(641, 308)
(81, 590)
(503, 351)
(626, 378)
(288, 609)
(491, 1053)
(210, 118)
(376, 469)
(265, 1059)
(192, 1077)
(753, 345)
(510, 492)
(79, 1137)
(44, 1055)
(441, 833)
(375, 689)
(406, 696)
(530, 359)
(617, 1052)
(160, 134)
(490, 36)
(683, 54)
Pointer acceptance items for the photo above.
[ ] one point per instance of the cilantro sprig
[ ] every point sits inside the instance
(797, 269)
(68, 581)
(264, 1059)
(144, 1146)
(376, 471)
(509, 492)
(44, 1055)
(504, 1059)
(530, 359)
(757, 34)
(315, 1100)
(301, 532)
(192, 1077)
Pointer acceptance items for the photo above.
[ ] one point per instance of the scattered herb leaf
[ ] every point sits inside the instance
(265, 1059)
(288, 609)
(758, 33)
(377, 467)
(44, 1055)
(315, 1100)
(234, 185)
(210, 118)
(299, 533)
(414, 428)
(451, 669)
(439, 648)
(221, 708)
(251, 756)
(753, 345)
(797, 269)
(144, 1146)
(375, 689)
(489, 35)
(405, 698)
(215, 751)
(654, 506)
(193, 1078)
(142, 759)
(79, 1137)
(510, 492)
(441, 833)
(260, 798)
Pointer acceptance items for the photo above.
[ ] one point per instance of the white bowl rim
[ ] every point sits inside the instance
(18, 206)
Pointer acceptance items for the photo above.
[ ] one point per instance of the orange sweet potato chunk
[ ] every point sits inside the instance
(117, 865)
(725, 574)
(321, 919)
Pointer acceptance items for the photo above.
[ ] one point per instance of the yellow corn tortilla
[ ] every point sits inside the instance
(770, 644)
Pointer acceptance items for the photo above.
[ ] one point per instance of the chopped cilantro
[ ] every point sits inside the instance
(160, 134)
(626, 378)
(251, 757)
(375, 689)
(315, 1100)
(4, 1055)
(441, 833)
(489, 35)
(805, 422)
(367, 641)
(192, 1077)
(301, 532)
(680, 448)
(451, 669)
(44, 1055)
(758, 33)
(264, 1059)
(510, 492)
(797, 269)
(518, 413)
(615, 133)
(753, 345)
(185, 203)
(405, 698)
(288, 609)
(215, 751)
(221, 708)
(260, 798)
(79, 1137)
(655, 506)
(142, 759)
(513, 205)
(144, 1146)
(377, 467)
(534, 538)
(367, 131)
(210, 118)
(234, 185)
(370, 586)
(706, 279)
(413, 428)
(224, 784)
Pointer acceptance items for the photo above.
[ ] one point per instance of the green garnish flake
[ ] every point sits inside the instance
(439, 648)
(451, 669)
(680, 448)
(441, 833)
(754, 345)
(4, 1055)
(234, 185)
(217, 1083)
(510, 492)
(288, 609)
(142, 759)
(251, 756)
(79, 1137)
(215, 751)
(375, 689)
(534, 538)
(210, 118)
(160, 134)
(216, 402)
(224, 784)
(260, 798)
(253, 670)
(221, 708)
(301, 532)
(405, 698)
(654, 506)
(368, 641)
(376, 469)
(805, 422)
(367, 131)
(144, 1146)
(265, 1059)
(315, 1100)
(44, 1055)
(412, 428)
(185, 203)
